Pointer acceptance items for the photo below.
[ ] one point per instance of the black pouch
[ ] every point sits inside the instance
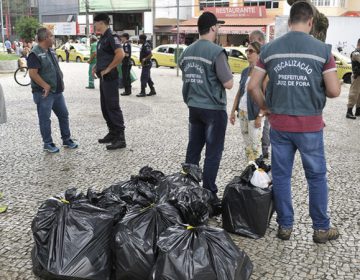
(112, 75)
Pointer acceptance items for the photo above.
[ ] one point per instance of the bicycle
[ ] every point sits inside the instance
(22, 76)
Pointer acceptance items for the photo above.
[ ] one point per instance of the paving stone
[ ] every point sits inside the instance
(156, 132)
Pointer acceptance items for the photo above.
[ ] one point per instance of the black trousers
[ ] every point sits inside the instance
(67, 53)
(146, 77)
(110, 106)
(126, 76)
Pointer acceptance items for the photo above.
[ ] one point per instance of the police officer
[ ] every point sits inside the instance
(126, 64)
(145, 59)
(354, 93)
(109, 55)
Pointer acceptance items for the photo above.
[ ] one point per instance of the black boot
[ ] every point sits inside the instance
(107, 139)
(350, 114)
(152, 91)
(215, 203)
(118, 143)
(126, 92)
(142, 93)
(357, 112)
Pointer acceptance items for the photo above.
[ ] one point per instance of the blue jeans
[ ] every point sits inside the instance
(206, 127)
(55, 102)
(311, 148)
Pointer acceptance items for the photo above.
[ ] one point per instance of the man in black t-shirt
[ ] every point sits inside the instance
(109, 56)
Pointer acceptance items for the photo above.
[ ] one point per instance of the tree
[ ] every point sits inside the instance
(26, 28)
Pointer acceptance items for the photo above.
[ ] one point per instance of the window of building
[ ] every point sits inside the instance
(213, 3)
(329, 3)
(268, 4)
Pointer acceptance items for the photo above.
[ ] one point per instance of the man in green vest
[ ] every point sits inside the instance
(92, 61)
(206, 75)
(47, 87)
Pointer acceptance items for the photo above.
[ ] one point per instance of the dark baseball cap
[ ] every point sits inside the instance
(208, 19)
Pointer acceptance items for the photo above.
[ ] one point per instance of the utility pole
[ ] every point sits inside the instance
(87, 31)
(2, 24)
(153, 19)
(177, 38)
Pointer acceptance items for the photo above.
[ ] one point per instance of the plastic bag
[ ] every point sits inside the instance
(260, 179)
(134, 192)
(247, 210)
(72, 240)
(189, 177)
(136, 237)
(201, 253)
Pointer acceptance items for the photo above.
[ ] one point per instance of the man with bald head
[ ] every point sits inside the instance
(47, 87)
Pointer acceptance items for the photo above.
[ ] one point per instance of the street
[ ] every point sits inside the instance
(156, 134)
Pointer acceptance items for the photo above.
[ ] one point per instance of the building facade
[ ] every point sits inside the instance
(241, 18)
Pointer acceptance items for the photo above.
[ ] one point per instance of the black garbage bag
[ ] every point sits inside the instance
(190, 176)
(134, 191)
(247, 210)
(136, 237)
(199, 253)
(72, 240)
(148, 174)
(109, 201)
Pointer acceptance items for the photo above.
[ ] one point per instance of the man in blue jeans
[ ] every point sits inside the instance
(47, 87)
(206, 75)
(302, 73)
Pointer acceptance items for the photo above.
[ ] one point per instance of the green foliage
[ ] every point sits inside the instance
(5, 56)
(26, 28)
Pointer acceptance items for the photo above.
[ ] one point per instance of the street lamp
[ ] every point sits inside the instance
(2, 24)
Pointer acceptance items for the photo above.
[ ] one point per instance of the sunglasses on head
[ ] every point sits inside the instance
(250, 51)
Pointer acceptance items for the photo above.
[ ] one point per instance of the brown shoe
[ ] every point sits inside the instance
(284, 233)
(322, 236)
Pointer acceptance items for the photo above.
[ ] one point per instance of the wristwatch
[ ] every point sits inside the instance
(260, 115)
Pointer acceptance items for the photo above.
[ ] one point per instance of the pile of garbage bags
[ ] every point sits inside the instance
(247, 205)
(149, 227)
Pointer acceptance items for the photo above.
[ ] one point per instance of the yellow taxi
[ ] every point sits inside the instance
(78, 53)
(237, 59)
(343, 66)
(164, 55)
(135, 55)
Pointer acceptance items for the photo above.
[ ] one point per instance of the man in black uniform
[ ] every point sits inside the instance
(145, 59)
(109, 56)
(126, 64)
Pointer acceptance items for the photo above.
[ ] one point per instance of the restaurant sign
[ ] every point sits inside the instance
(238, 12)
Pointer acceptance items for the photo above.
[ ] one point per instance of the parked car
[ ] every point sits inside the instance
(78, 53)
(343, 66)
(237, 59)
(164, 55)
(135, 54)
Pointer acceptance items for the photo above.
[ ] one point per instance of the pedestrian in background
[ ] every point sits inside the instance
(302, 73)
(126, 64)
(354, 93)
(47, 87)
(258, 36)
(145, 59)
(8, 46)
(250, 116)
(67, 50)
(109, 55)
(92, 61)
(206, 75)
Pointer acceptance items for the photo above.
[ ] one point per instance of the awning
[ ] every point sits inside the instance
(222, 29)
(351, 14)
(236, 21)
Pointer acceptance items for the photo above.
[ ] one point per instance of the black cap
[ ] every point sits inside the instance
(207, 19)
(125, 35)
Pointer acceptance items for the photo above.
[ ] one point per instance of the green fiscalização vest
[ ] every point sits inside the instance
(48, 70)
(201, 87)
